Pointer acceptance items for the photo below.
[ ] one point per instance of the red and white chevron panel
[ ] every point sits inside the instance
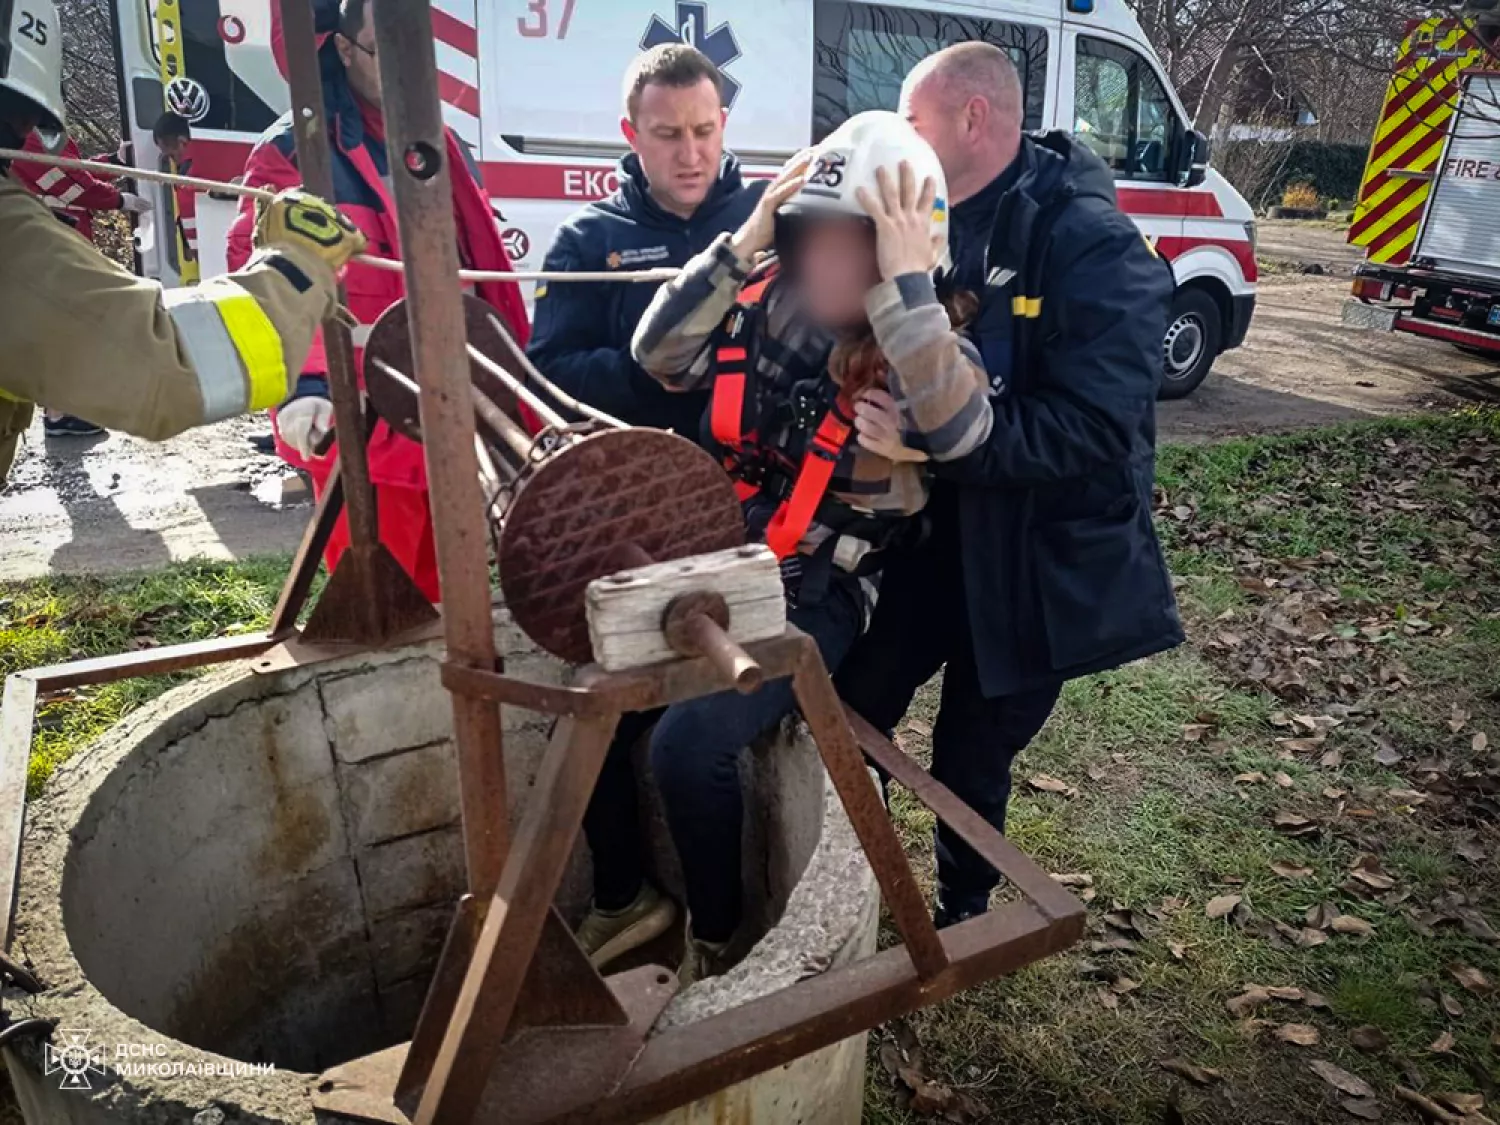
(456, 35)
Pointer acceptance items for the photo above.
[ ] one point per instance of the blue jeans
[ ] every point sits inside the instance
(695, 751)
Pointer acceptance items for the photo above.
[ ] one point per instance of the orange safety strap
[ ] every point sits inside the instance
(732, 381)
(795, 516)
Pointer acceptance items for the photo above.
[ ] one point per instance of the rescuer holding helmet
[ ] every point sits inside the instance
(807, 354)
(1042, 563)
(84, 336)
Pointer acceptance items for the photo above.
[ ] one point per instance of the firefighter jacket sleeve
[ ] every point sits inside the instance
(85, 337)
(570, 337)
(933, 373)
(1091, 381)
(672, 340)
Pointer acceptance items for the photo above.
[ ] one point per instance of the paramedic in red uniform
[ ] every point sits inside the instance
(174, 136)
(679, 190)
(74, 196)
(362, 192)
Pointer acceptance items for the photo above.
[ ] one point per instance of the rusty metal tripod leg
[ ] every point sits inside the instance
(369, 598)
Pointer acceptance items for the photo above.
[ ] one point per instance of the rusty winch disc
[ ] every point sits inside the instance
(581, 507)
(390, 341)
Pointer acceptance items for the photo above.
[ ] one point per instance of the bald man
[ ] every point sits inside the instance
(1042, 563)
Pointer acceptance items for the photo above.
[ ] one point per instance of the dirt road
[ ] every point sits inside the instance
(118, 504)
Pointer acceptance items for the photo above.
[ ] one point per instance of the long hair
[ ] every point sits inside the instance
(856, 363)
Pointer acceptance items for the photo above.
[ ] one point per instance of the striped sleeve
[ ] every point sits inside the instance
(936, 376)
(671, 341)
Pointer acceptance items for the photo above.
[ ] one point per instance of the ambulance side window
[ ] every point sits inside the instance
(1121, 110)
(863, 51)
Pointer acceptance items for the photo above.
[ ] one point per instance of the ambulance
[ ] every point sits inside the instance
(1428, 211)
(533, 86)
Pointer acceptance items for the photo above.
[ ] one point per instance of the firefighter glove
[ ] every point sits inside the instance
(296, 218)
(303, 423)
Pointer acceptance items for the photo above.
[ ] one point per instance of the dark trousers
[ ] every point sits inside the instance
(921, 624)
(695, 751)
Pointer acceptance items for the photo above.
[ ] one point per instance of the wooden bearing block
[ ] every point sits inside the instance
(626, 611)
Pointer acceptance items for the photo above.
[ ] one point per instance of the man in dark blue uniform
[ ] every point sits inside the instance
(679, 190)
(1041, 563)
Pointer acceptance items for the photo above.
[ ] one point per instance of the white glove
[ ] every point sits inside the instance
(133, 203)
(303, 422)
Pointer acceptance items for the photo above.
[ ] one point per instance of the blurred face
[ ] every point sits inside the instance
(678, 133)
(174, 148)
(360, 62)
(836, 267)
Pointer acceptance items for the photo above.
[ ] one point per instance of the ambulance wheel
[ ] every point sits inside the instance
(1192, 342)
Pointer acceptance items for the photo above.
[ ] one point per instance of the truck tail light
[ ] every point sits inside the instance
(1371, 290)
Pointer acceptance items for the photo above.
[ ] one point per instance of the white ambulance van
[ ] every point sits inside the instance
(534, 87)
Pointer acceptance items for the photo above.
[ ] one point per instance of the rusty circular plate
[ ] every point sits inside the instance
(579, 508)
(390, 340)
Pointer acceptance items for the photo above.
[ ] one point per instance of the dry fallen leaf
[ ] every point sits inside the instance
(1461, 1103)
(1472, 979)
(1366, 1109)
(1320, 917)
(1310, 938)
(1108, 999)
(1247, 1001)
(1074, 880)
(1200, 1075)
(1442, 1044)
(1480, 742)
(1221, 906)
(1369, 1039)
(1249, 778)
(1293, 825)
(1177, 949)
(1451, 1007)
(918, 726)
(1049, 784)
(1341, 1079)
(1300, 1034)
(1288, 870)
(1349, 924)
(1283, 780)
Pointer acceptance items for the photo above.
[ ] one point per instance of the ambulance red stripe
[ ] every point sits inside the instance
(454, 32)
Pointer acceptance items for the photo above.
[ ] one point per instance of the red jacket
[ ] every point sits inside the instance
(362, 193)
(74, 195)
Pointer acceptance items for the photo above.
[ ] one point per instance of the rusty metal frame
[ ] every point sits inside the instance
(461, 1063)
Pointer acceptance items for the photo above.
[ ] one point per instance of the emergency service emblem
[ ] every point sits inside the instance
(720, 44)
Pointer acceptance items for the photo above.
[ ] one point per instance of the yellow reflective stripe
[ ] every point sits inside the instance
(1028, 307)
(259, 345)
(7, 397)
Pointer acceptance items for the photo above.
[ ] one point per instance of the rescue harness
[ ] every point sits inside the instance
(782, 439)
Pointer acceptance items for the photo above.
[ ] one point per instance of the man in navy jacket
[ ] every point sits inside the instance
(679, 190)
(1042, 563)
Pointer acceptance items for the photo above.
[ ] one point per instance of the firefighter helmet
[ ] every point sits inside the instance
(848, 159)
(31, 60)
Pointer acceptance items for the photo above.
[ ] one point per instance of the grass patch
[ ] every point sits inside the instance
(54, 620)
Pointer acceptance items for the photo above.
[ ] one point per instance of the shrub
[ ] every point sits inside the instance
(1302, 196)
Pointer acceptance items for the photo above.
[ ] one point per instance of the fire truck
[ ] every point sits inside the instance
(533, 87)
(1428, 211)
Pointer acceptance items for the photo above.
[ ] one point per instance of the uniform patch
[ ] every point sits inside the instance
(828, 170)
(637, 255)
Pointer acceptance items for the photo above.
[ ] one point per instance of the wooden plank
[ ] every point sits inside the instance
(16, 715)
(626, 610)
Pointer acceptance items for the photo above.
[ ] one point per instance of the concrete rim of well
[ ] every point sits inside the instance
(830, 918)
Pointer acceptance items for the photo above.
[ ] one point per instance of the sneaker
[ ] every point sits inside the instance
(67, 425)
(703, 959)
(609, 934)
